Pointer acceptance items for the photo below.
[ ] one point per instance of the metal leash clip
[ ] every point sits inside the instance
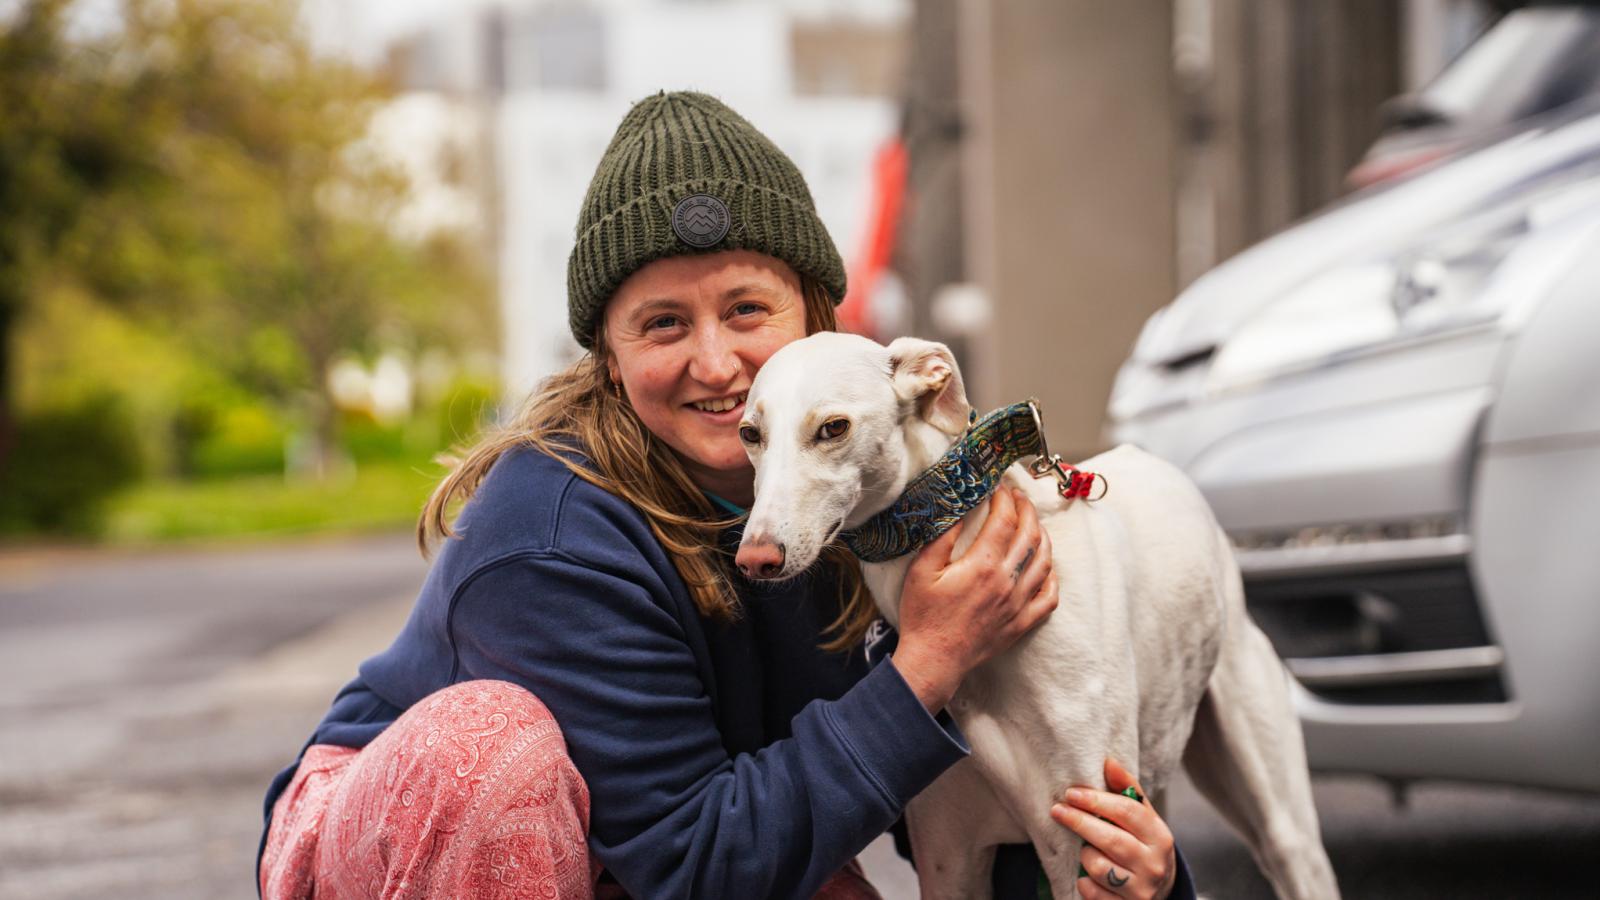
(1071, 482)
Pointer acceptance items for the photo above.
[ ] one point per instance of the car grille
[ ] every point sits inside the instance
(1412, 636)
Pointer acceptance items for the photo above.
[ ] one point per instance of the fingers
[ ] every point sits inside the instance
(1091, 891)
(1115, 842)
(995, 536)
(1041, 605)
(1151, 878)
(1034, 595)
(1025, 540)
(1119, 779)
(1128, 849)
(1024, 576)
(1104, 875)
(1125, 813)
(1005, 546)
(937, 554)
(1036, 564)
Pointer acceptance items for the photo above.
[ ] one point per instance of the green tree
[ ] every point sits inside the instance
(65, 141)
(218, 181)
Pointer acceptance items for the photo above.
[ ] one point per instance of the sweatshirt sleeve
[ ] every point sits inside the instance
(1183, 885)
(672, 815)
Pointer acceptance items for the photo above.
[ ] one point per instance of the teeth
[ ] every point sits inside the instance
(722, 405)
(719, 405)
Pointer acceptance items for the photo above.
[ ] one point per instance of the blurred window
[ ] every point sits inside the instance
(1531, 61)
(846, 59)
(1580, 77)
(556, 48)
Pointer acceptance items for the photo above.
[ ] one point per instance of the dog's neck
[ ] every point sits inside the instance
(925, 443)
(953, 476)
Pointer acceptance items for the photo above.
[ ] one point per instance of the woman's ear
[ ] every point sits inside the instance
(925, 372)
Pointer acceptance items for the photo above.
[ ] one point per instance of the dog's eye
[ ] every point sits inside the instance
(749, 434)
(833, 428)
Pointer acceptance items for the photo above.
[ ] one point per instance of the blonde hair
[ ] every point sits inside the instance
(580, 409)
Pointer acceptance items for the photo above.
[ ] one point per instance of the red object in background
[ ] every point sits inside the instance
(889, 166)
(1369, 172)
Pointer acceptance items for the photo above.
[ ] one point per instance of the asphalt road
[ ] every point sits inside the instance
(149, 697)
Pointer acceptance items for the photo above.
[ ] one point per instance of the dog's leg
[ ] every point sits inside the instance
(955, 825)
(1028, 769)
(1247, 756)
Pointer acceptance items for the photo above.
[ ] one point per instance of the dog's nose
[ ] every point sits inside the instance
(759, 558)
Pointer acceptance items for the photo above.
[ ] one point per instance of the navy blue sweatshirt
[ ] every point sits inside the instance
(722, 759)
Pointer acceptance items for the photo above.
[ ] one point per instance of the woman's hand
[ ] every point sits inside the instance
(1128, 850)
(955, 615)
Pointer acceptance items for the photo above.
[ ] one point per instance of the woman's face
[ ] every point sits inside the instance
(686, 336)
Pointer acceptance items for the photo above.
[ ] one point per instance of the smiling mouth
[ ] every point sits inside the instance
(721, 404)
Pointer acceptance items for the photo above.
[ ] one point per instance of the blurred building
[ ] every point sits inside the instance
(1074, 163)
(546, 83)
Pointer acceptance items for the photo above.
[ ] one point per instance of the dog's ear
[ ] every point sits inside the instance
(926, 373)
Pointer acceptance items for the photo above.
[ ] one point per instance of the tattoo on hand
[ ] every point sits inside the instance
(1026, 558)
(1114, 881)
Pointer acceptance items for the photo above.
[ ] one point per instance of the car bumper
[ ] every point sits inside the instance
(1389, 556)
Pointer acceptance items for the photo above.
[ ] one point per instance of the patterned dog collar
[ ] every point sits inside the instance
(953, 486)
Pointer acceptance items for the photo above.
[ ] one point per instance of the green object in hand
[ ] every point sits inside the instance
(1044, 883)
(1130, 792)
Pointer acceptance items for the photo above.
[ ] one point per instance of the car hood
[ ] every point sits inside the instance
(1375, 223)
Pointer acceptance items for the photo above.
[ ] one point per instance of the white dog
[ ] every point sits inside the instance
(1150, 657)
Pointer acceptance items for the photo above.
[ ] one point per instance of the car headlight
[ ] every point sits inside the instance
(1437, 288)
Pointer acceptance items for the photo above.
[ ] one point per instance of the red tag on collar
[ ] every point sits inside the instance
(1074, 483)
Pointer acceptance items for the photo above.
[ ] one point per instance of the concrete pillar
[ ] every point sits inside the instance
(929, 254)
(1286, 105)
(1069, 156)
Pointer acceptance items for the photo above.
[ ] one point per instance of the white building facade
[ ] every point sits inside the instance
(548, 81)
(571, 74)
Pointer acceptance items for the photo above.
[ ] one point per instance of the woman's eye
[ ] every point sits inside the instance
(749, 434)
(746, 309)
(661, 322)
(833, 428)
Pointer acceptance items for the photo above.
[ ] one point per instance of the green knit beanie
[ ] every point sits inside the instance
(686, 174)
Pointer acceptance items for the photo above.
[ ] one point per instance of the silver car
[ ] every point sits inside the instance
(1394, 408)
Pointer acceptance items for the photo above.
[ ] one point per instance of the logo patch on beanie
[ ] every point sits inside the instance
(700, 220)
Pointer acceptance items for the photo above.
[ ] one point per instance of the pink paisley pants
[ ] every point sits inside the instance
(470, 793)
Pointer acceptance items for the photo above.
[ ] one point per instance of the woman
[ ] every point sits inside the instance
(707, 746)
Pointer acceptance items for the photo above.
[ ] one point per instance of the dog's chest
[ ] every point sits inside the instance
(885, 581)
(1052, 705)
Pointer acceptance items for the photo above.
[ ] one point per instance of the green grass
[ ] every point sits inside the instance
(378, 496)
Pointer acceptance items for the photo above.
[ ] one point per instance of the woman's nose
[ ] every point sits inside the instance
(714, 361)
